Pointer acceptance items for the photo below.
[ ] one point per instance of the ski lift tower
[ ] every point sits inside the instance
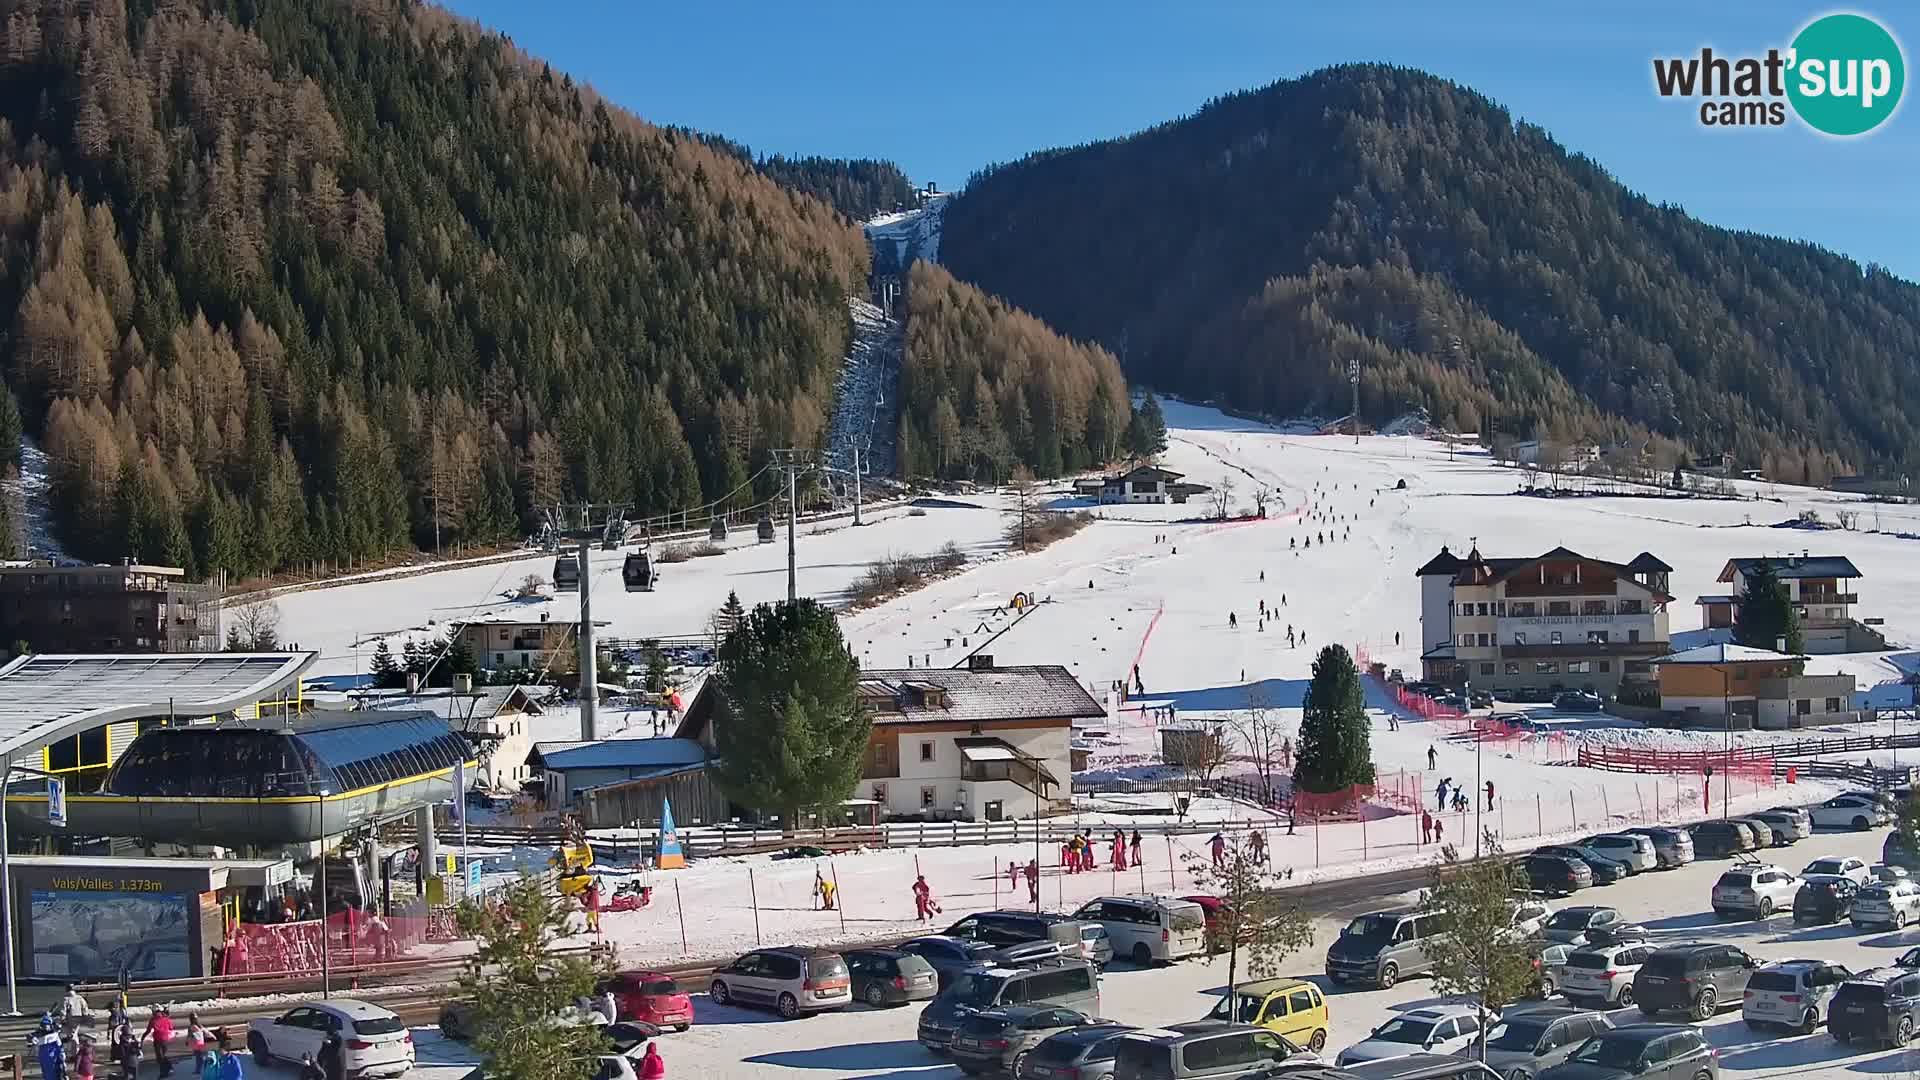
(793, 462)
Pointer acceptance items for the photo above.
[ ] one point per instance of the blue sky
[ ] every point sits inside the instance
(944, 89)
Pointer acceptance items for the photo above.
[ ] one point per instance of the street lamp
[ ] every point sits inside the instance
(1479, 785)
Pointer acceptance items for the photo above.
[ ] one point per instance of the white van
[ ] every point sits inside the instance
(1149, 929)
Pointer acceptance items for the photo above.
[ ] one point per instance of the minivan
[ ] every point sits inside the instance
(794, 981)
(1198, 1050)
(1067, 983)
(1146, 929)
(1002, 928)
(1383, 947)
(1672, 846)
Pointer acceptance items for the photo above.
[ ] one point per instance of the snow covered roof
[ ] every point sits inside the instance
(1796, 566)
(1724, 654)
(1042, 692)
(47, 698)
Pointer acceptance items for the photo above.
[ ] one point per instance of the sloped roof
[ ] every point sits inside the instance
(47, 698)
(1723, 653)
(1647, 562)
(1444, 563)
(1042, 692)
(620, 754)
(1796, 566)
(1497, 569)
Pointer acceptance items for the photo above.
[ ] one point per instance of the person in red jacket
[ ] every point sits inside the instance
(651, 1067)
(1033, 880)
(923, 902)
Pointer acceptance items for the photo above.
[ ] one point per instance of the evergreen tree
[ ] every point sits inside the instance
(729, 615)
(456, 659)
(516, 982)
(1147, 434)
(1335, 741)
(413, 660)
(656, 669)
(1767, 613)
(387, 674)
(10, 429)
(792, 734)
(1476, 954)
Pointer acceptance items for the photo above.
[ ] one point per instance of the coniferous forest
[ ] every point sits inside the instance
(288, 280)
(985, 388)
(1469, 264)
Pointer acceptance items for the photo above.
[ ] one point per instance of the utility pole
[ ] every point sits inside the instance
(792, 461)
(589, 669)
(856, 484)
(1353, 379)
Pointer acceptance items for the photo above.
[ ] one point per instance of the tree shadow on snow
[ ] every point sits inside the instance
(1741, 1049)
(1279, 694)
(712, 1014)
(1695, 921)
(897, 1054)
(1898, 939)
(1827, 932)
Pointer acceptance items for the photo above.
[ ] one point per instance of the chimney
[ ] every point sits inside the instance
(463, 683)
(980, 662)
(413, 683)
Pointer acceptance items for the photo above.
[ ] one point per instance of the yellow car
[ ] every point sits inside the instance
(1290, 1008)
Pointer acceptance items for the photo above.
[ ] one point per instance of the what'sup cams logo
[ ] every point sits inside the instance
(1842, 75)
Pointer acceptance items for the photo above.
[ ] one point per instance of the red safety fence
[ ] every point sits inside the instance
(352, 937)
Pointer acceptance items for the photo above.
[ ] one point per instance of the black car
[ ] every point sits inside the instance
(1554, 875)
(1720, 840)
(1082, 1053)
(1695, 979)
(949, 956)
(1824, 898)
(890, 976)
(1640, 1052)
(1606, 871)
(1882, 1004)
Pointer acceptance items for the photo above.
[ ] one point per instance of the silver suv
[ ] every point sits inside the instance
(1792, 994)
(792, 981)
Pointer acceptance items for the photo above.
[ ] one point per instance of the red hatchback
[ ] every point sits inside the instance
(654, 998)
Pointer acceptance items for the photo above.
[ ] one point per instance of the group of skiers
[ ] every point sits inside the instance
(1031, 872)
(1460, 801)
(65, 1052)
(1076, 854)
(1256, 849)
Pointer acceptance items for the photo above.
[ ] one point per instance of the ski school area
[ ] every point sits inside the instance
(1165, 621)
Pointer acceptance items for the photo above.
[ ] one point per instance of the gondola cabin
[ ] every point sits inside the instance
(766, 528)
(638, 572)
(566, 574)
(717, 531)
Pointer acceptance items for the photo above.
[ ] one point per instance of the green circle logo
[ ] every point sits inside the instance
(1847, 74)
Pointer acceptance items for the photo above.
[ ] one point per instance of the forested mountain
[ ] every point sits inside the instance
(985, 387)
(1469, 263)
(299, 280)
(857, 187)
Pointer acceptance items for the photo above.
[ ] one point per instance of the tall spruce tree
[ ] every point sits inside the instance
(1147, 433)
(791, 735)
(386, 672)
(1335, 741)
(1766, 612)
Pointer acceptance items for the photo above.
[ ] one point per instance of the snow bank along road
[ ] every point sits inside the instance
(861, 1042)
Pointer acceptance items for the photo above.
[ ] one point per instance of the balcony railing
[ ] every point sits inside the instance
(1829, 598)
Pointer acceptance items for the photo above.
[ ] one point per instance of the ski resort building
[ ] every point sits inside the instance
(1141, 484)
(980, 743)
(1821, 589)
(1721, 684)
(500, 642)
(122, 608)
(1559, 620)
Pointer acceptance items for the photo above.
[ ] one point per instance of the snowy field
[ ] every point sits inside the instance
(1142, 586)
(729, 1043)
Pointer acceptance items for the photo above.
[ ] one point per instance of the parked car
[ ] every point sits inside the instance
(792, 980)
(1439, 1029)
(651, 997)
(890, 977)
(1528, 915)
(1526, 1043)
(1289, 1007)
(1549, 965)
(1606, 870)
(1634, 850)
(1792, 994)
(1601, 976)
(374, 1041)
(1620, 933)
(948, 956)
(1850, 811)
(626, 1037)
(1000, 928)
(1570, 925)
(1895, 852)
(1082, 1053)
(1198, 1051)
(1760, 832)
(1149, 929)
(1720, 840)
(1067, 983)
(1554, 875)
(1843, 867)
(1798, 813)
(1757, 889)
(1886, 905)
(1882, 1004)
(1696, 979)
(1579, 701)
(1787, 828)
(1671, 846)
(1909, 959)
(1421, 1066)
(1881, 871)
(1096, 944)
(1383, 947)
(1823, 898)
(1641, 1052)
(997, 1040)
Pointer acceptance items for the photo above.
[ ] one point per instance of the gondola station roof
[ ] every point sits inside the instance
(44, 699)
